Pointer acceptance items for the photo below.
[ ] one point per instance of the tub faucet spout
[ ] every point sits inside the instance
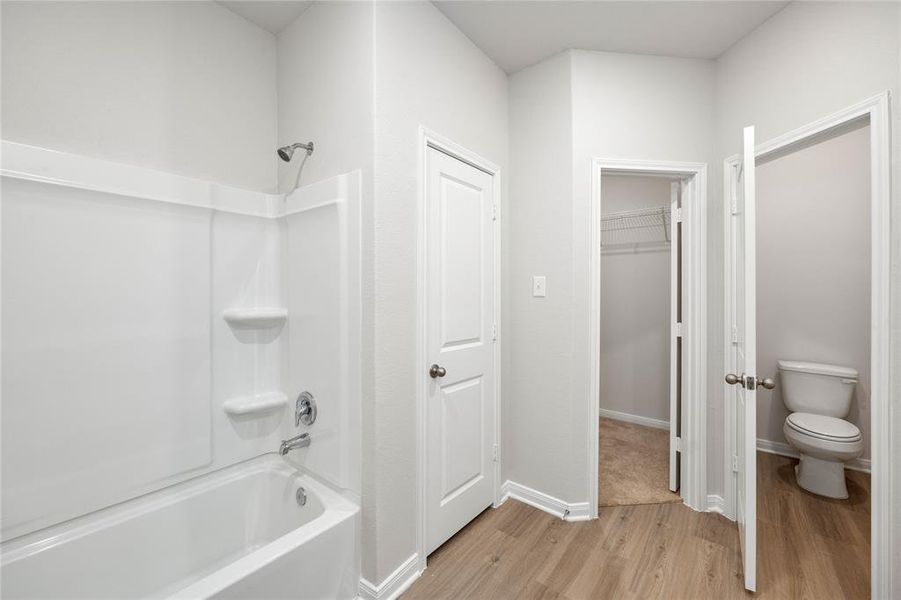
(298, 441)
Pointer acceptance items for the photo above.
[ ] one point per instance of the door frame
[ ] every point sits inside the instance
(430, 139)
(875, 111)
(693, 475)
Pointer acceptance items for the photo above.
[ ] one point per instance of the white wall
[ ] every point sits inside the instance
(427, 73)
(325, 90)
(620, 106)
(183, 87)
(535, 331)
(635, 308)
(813, 269)
(808, 61)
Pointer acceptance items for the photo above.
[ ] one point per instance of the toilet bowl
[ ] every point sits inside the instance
(825, 444)
(819, 396)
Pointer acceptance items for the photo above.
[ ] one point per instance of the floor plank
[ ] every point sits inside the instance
(810, 547)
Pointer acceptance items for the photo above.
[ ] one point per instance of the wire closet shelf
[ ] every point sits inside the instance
(642, 230)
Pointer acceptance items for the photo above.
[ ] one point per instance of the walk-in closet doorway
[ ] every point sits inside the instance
(648, 333)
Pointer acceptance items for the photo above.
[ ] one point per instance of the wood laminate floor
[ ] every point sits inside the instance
(809, 547)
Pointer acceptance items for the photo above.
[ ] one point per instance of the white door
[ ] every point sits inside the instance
(675, 355)
(460, 338)
(743, 360)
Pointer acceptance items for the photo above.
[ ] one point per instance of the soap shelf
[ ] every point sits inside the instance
(255, 318)
(256, 404)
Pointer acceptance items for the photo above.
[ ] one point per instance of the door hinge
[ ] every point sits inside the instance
(735, 463)
(677, 214)
(494, 332)
(494, 212)
(678, 329)
(494, 453)
(678, 444)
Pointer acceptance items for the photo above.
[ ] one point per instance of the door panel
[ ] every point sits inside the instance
(742, 393)
(462, 254)
(462, 454)
(459, 325)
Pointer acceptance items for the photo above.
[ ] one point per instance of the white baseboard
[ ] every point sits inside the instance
(716, 504)
(395, 584)
(771, 447)
(636, 419)
(569, 511)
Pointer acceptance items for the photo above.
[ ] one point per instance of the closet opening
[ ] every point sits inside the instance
(640, 339)
(648, 284)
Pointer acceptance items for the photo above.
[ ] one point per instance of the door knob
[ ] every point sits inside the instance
(750, 383)
(436, 371)
(766, 382)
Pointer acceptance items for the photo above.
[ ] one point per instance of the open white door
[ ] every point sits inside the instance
(675, 356)
(743, 359)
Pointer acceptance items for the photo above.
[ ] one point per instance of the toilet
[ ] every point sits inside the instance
(818, 396)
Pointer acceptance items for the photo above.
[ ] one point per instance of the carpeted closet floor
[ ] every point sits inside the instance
(633, 464)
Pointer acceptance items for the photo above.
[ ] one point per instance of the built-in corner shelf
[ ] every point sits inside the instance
(256, 404)
(255, 318)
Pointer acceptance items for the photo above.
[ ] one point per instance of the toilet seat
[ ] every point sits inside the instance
(824, 428)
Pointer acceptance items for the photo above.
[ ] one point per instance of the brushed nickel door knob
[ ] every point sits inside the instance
(732, 379)
(436, 371)
(766, 382)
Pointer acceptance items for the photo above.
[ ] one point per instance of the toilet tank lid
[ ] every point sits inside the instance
(818, 368)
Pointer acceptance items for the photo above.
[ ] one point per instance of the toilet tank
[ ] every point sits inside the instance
(817, 388)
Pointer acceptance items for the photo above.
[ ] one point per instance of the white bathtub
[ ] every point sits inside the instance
(238, 533)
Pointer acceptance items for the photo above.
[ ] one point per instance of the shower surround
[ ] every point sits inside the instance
(158, 328)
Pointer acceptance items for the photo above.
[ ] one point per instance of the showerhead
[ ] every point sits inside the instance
(286, 152)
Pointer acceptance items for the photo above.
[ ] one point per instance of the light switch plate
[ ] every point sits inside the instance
(539, 286)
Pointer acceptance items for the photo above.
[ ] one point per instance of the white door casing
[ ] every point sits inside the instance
(460, 331)
(741, 385)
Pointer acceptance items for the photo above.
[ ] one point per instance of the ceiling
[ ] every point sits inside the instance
(271, 15)
(516, 34)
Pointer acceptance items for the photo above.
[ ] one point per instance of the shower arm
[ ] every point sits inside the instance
(287, 152)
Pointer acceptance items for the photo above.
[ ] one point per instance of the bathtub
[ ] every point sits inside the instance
(237, 533)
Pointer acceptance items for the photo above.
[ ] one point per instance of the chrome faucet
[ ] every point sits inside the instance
(298, 441)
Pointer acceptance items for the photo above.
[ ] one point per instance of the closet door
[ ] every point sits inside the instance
(675, 354)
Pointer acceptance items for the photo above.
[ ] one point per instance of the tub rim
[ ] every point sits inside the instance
(27, 545)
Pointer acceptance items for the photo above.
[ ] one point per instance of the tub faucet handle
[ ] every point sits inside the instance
(304, 409)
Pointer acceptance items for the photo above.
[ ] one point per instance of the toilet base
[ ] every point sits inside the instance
(823, 477)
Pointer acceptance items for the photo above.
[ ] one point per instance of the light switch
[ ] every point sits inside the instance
(539, 286)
